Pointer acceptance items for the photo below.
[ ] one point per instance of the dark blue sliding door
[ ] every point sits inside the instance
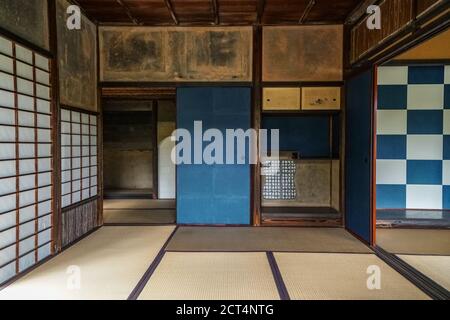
(218, 193)
(358, 186)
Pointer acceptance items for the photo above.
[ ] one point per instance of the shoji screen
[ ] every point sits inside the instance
(79, 157)
(25, 159)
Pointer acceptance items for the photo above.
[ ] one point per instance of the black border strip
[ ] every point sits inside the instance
(282, 291)
(151, 269)
(428, 286)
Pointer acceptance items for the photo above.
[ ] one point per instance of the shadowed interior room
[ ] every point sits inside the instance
(224, 150)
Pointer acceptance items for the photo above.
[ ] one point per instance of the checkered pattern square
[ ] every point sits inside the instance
(413, 137)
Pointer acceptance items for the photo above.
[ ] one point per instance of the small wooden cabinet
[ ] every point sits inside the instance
(321, 98)
(281, 99)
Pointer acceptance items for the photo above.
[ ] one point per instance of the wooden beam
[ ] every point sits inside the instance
(260, 11)
(359, 12)
(171, 11)
(215, 7)
(308, 9)
(128, 12)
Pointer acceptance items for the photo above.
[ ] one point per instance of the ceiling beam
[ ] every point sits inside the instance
(260, 11)
(127, 11)
(215, 7)
(171, 11)
(360, 11)
(308, 9)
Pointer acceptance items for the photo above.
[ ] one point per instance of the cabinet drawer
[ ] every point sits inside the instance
(321, 98)
(281, 99)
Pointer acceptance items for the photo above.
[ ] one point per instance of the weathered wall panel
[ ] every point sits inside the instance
(396, 14)
(77, 61)
(303, 53)
(175, 54)
(78, 221)
(26, 19)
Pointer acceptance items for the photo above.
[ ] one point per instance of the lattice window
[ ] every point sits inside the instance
(279, 180)
(26, 176)
(79, 176)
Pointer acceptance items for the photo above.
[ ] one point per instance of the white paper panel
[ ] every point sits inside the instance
(66, 201)
(44, 208)
(27, 166)
(93, 120)
(76, 129)
(27, 198)
(85, 152)
(7, 220)
(25, 102)
(26, 119)
(93, 191)
(76, 185)
(85, 183)
(24, 54)
(6, 46)
(7, 186)
(76, 152)
(65, 152)
(6, 64)
(65, 176)
(25, 86)
(44, 135)
(93, 131)
(85, 140)
(76, 197)
(76, 163)
(44, 222)
(93, 141)
(27, 182)
(7, 203)
(6, 81)
(7, 151)
(26, 245)
(65, 188)
(27, 213)
(44, 193)
(65, 164)
(76, 140)
(65, 140)
(26, 262)
(43, 121)
(93, 161)
(44, 252)
(42, 92)
(84, 129)
(44, 179)
(93, 181)
(7, 255)
(85, 162)
(44, 150)
(93, 151)
(7, 272)
(94, 171)
(65, 127)
(26, 134)
(7, 116)
(85, 118)
(44, 165)
(76, 174)
(85, 173)
(42, 77)
(6, 99)
(43, 106)
(24, 70)
(76, 117)
(7, 168)
(44, 236)
(85, 194)
(41, 62)
(65, 115)
(26, 150)
(7, 237)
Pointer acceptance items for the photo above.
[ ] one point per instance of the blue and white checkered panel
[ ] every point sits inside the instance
(413, 137)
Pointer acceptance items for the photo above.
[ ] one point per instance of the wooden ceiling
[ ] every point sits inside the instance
(220, 12)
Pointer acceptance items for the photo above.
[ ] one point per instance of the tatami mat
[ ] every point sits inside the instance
(330, 276)
(414, 241)
(211, 276)
(111, 261)
(265, 239)
(437, 268)
(139, 216)
(138, 204)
